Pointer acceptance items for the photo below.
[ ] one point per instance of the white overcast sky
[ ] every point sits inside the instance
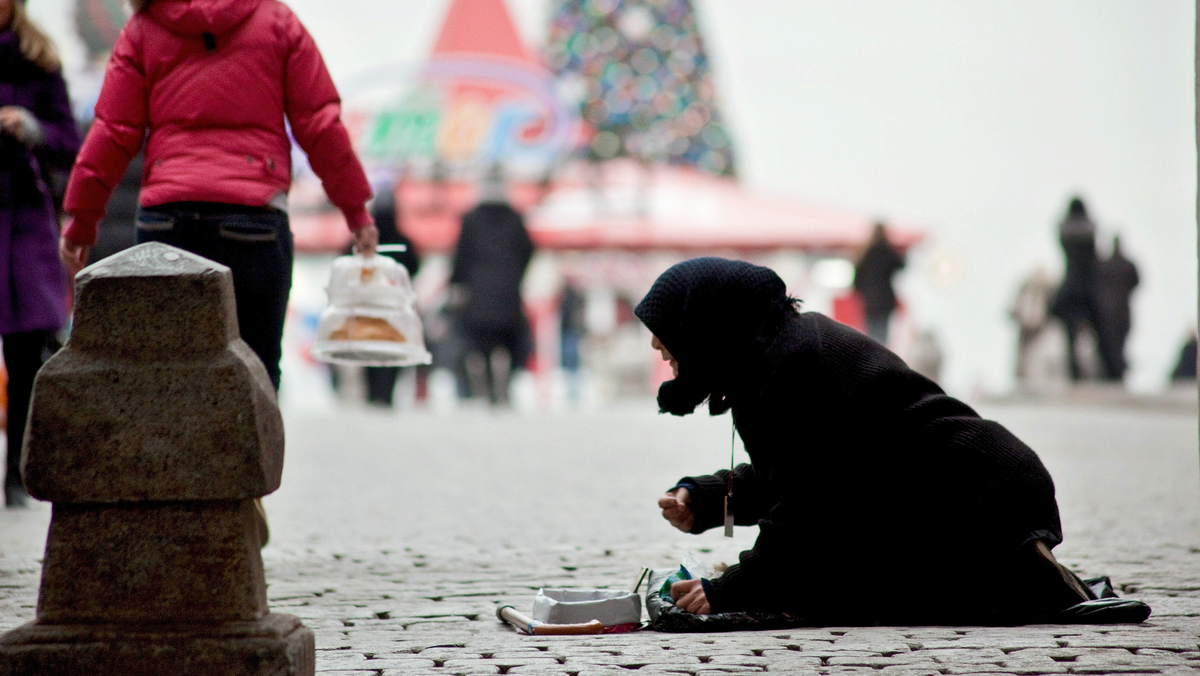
(977, 118)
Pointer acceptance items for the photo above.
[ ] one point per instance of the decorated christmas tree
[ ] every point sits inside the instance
(643, 79)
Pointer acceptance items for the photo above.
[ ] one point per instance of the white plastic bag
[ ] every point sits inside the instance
(370, 320)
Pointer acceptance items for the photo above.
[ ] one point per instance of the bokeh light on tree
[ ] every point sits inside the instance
(643, 79)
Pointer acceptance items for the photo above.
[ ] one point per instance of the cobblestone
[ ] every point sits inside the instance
(395, 538)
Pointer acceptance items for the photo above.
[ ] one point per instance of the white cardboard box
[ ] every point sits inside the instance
(577, 606)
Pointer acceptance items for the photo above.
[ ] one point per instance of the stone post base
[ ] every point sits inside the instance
(276, 645)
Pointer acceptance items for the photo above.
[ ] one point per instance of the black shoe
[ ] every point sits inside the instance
(1106, 608)
(15, 496)
(1104, 611)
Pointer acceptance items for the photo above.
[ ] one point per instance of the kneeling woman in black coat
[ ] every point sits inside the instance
(879, 499)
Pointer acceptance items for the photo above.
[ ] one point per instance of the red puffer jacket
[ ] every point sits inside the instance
(213, 81)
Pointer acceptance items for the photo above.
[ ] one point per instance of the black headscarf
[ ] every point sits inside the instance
(716, 317)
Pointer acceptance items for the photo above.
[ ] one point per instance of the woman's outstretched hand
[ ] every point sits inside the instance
(74, 256)
(689, 595)
(676, 509)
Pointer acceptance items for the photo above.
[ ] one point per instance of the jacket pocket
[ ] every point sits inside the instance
(152, 222)
(249, 229)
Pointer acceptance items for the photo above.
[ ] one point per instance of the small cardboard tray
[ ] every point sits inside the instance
(576, 606)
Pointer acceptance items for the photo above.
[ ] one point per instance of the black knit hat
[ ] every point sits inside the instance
(714, 316)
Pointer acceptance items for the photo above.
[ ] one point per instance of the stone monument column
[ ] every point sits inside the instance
(152, 432)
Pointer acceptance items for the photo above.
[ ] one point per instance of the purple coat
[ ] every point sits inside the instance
(33, 289)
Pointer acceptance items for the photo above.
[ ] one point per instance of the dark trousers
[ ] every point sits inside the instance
(255, 243)
(381, 384)
(1112, 351)
(24, 354)
(1077, 310)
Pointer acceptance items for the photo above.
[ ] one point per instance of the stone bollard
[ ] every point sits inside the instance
(152, 432)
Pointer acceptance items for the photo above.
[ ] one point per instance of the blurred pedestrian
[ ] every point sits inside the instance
(926, 355)
(493, 251)
(1075, 302)
(854, 460)
(879, 262)
(216, 84)
(1185, 366)
(37, 133)
(381, 380)
(572, 330)
(1116, 278)
(1031, 311)
(446, 342)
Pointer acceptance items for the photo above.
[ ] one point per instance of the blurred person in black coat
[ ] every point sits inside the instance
(572, 330)
(1185, 366)
(1116, 278)
(493, 250)
(381, 380)
(1075, 302)
(879, 262)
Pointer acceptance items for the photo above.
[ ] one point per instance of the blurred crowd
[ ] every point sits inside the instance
(1076, 330)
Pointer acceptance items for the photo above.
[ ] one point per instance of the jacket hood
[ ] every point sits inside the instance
(196, 17)
(716, 317)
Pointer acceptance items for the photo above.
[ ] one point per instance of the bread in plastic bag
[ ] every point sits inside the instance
(371, 319)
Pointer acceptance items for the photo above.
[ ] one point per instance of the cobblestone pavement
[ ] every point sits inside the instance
(395, 537)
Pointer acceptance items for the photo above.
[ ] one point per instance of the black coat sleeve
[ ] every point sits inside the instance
(751, 497)
(751, 584)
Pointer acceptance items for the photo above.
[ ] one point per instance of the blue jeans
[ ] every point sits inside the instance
(254, 242)
(569, 355)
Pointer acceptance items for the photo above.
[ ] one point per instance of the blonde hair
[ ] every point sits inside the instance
(35, 44)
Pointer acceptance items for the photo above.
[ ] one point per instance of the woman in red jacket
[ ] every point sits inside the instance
(212, 81)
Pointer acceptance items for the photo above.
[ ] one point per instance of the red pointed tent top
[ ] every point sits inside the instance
(480, 27)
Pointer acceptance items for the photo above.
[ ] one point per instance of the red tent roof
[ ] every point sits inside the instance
(681, 208)
(480, 27)
(666, 208)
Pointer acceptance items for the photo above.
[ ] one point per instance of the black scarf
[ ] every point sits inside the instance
(717, 318)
